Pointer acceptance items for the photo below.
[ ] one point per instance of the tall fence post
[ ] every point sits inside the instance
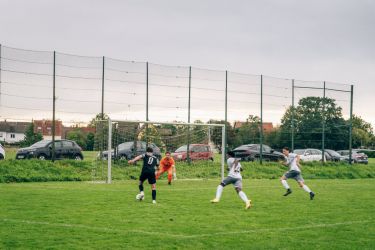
(292, 115)
(261, 121)
(351, 124)
(0, 73)
(188, 133)
(224, 149)
(102, 108)
(323, 121)
(109, 166)
(147, 100)
(223, 134)
(54, 106)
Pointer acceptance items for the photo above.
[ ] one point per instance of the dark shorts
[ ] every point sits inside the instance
(294, 175)
(150, 176)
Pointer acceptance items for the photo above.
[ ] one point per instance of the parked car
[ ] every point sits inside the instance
(309, 154)
(357, 157)
(127, 151)
(332, 155)
(42, 150)
(251, 152)
(2, 152)
(196, 152)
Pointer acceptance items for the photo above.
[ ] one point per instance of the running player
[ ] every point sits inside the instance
(235, 178)
(167, 164)
(148, 172)
(292, 161)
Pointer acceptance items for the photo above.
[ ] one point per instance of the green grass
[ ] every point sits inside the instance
(81, 215)
(71, 170)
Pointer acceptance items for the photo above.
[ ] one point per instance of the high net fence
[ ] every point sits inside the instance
(76, 90)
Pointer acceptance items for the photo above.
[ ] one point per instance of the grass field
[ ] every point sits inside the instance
(82, 215)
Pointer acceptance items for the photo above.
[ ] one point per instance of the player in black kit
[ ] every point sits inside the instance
(150, 162)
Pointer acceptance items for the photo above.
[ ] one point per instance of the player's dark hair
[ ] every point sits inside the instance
(286, 148)
(149, 150)
(231, 153)
(167, 152)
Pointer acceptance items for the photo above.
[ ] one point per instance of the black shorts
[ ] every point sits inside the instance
(150, 176)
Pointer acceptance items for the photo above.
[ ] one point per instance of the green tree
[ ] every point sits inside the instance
(79, 137)
(363, 133)
(308, 120)
(90, 141)
(31, 137)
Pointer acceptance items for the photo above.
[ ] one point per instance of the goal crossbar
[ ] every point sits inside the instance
(173, 123)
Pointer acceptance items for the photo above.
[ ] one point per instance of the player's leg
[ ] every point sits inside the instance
(141, 194)
(238, 187)
(159, 172)
(152, 181)
(170, 175)
(301, 183)
(220, 188)
(285, 183)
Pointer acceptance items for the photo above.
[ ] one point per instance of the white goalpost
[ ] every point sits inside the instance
(198, 148)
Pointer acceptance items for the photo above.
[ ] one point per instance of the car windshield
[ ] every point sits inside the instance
(299, 151)
(42, 143)
(181, 149)
(126, 145)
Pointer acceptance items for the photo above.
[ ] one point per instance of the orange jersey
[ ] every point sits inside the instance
(166, 163)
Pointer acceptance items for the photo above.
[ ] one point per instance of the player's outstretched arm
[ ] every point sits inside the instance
(135, 159)
(298, 161)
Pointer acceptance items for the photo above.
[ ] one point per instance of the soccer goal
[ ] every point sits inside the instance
(197, 148)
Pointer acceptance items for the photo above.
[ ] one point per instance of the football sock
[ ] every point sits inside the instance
(285, 184)
(306, 188)
(243, 196)
(153, 194)
(141, 188)
(219, 191)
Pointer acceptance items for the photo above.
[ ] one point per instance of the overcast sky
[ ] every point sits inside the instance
(309, 40)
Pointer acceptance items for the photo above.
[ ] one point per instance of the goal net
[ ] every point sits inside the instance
(195, 147)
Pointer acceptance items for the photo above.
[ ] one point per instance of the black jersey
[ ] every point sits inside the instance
(149, 163)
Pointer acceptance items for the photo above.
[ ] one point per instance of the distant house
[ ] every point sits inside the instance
(267, 126)
(45, 128)
(13, 132)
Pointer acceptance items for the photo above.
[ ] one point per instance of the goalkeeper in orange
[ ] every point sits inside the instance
(167, 165)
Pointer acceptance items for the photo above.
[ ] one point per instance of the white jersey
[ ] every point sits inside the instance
(291, 160)
(234, 170)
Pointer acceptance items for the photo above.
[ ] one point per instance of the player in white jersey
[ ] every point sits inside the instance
(235, 178)
(292, 161)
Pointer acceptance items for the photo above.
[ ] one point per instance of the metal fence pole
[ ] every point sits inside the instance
(351, 124)
(53, 106)
(188, 133)
(147, 99)
(261, 120)
(109, 167)
(0, 74)
(223, 131)
(102, 110)
(224, 149)
(293, 115)
(323, 120)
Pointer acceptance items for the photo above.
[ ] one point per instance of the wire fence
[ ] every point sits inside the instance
(86, 86)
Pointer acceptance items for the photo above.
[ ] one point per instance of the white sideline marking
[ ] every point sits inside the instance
(111, 230)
